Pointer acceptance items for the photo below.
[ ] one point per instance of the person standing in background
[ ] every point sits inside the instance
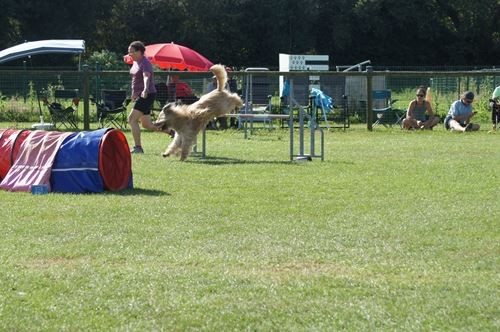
(143, 93)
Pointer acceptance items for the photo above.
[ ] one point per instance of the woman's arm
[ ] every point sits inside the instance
(147, 78)
(411, 107)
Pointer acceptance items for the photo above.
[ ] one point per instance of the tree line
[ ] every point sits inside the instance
(245, 33)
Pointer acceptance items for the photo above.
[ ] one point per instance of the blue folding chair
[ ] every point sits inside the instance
(386, 115)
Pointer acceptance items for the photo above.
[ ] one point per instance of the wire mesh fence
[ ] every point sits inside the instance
(23, 92)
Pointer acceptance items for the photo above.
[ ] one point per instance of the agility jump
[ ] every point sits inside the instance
(302, 116)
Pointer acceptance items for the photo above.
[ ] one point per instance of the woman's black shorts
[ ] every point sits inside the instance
(145, 104)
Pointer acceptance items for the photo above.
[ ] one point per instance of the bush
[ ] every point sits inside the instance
(106, 60)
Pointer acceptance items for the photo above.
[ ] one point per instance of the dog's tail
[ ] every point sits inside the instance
(221, 75)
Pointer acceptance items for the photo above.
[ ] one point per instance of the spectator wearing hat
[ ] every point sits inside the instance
(460, 114)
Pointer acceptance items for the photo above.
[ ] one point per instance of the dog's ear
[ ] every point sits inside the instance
(169, 108)
(166, 107)
(161, 117)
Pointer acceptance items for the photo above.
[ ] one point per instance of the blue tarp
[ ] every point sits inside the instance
(322, 100)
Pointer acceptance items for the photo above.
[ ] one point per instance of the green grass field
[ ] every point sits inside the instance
(393, 231)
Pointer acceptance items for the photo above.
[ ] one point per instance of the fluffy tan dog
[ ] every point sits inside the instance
(189, 120)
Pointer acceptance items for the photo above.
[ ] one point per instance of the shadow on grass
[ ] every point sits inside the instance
(235, 161)
(232, 161)
(139, 191)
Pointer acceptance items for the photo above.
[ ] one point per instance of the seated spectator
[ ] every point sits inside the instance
(183, 91)
(460, 114)
(420, 114)
(495, 107)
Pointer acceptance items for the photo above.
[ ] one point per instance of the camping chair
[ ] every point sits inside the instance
(298, 88)
(334, 86)
(321, 105)
(112, 108)
(161, 99)
(171, 92)
(386, 115)
(63, 110)
(257, 98)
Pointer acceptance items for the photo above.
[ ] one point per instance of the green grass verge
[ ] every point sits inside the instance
(393, 231)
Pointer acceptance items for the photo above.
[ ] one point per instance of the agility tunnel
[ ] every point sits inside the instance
(10, 143)
(83, 162)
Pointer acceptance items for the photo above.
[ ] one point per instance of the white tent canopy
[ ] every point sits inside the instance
(75, 46)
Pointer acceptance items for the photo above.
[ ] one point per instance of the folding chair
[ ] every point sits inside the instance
(321, 105)
(64, 109)
(171, 92)
(386, 115)
(257, 98)
(298, 87)
(112, 109)
(161, 99)
(161, 94)
(334, 86)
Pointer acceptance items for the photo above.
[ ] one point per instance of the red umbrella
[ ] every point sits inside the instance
(173, 56)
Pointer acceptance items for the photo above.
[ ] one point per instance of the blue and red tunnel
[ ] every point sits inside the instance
(89, 161)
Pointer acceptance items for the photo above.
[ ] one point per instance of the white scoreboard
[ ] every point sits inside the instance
(303, 62)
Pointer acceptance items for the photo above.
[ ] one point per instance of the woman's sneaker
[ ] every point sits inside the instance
(137, 149)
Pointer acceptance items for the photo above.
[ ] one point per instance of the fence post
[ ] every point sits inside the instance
(24, 81)
(369, 97)
(97, 83)
(86, 104)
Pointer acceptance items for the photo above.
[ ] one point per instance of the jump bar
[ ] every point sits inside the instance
(250, 116)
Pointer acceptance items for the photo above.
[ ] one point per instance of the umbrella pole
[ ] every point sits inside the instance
(39, 107)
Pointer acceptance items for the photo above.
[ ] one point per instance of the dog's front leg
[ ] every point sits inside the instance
(173, 147)
(186, 147)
